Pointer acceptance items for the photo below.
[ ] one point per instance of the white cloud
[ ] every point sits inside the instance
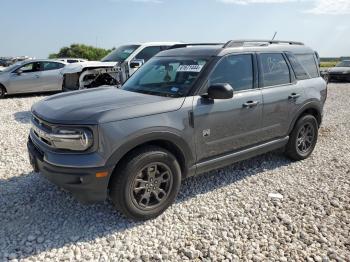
(332, 7)
(319, 7)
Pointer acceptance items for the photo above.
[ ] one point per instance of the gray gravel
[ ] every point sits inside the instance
(266, 208)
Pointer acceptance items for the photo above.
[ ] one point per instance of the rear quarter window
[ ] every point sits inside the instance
(308, 61)
(299, 70)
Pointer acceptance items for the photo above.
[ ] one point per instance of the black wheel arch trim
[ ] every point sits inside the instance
(154, 136)
(311, 105)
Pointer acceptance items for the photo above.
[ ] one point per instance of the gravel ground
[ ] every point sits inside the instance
(266, 208)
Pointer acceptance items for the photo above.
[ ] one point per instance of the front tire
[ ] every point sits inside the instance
(2, 91)
(146, 183)
(303, 138)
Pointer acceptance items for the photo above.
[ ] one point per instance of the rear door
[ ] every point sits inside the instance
(51, 79)
(25, 79)
(282, 94)
(223, 126)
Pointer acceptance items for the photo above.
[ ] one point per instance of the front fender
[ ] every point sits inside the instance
(149, 135)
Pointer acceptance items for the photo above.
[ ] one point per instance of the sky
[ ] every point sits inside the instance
(39, 27)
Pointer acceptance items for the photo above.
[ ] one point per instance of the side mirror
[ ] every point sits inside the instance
(19, 72)
(137, 63)
(220, 91)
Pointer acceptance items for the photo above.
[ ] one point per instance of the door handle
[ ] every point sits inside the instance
(250, 104)
(294, 96)
(37, 76)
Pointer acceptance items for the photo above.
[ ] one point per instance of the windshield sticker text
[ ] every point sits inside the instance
(190, 68)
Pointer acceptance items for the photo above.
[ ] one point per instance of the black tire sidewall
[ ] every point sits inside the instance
(130, 171)
(292, 150)
(2, 91)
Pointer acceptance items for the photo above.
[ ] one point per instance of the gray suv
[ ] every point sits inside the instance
(186, 111)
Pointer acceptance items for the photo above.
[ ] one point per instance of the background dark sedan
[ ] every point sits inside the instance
(341, 72)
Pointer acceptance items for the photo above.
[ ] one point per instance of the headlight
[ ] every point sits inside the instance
(72, 139)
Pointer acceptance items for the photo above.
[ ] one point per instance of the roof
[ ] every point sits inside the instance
(41, 60)
(158, 43)
(237, 47)
(193, 51)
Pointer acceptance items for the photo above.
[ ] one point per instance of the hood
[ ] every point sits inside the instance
(339, 69)
(100, 105)
(78, 67)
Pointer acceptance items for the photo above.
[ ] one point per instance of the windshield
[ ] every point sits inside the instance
(343, 64)
(164, 76)
(120, 54)
(11, 67)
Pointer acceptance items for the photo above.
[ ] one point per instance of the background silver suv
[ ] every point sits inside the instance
(186, 111)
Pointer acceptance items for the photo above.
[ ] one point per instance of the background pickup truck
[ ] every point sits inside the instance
(114, 69)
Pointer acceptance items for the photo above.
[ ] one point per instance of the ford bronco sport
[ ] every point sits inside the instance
(186, 111)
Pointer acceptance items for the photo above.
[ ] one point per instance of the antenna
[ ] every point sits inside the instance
(273, 38)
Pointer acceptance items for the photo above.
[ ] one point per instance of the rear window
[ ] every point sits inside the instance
(309, 63)
(299, 70)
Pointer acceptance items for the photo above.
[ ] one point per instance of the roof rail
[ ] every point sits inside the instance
(193, 44)
(239, 43)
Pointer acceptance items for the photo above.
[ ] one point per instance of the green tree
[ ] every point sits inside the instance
(81, 51)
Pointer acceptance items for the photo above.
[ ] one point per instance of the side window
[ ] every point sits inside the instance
(274, 70)
(309, 63)
(236, 70)
(148, 52)
(299, 70)
(30, 68)
(72, 61)
(51, 66)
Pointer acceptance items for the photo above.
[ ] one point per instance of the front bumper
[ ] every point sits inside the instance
(81, 182)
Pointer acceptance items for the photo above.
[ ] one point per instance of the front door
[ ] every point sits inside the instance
(223, 126)
(25, 79)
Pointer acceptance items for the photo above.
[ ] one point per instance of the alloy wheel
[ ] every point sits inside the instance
(152, 186)
(305, 138)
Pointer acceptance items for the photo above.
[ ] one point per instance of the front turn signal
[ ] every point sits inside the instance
(101, 174)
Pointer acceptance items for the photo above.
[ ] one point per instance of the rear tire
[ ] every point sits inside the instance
(303, 138)
(146, 183)
(2, 91)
